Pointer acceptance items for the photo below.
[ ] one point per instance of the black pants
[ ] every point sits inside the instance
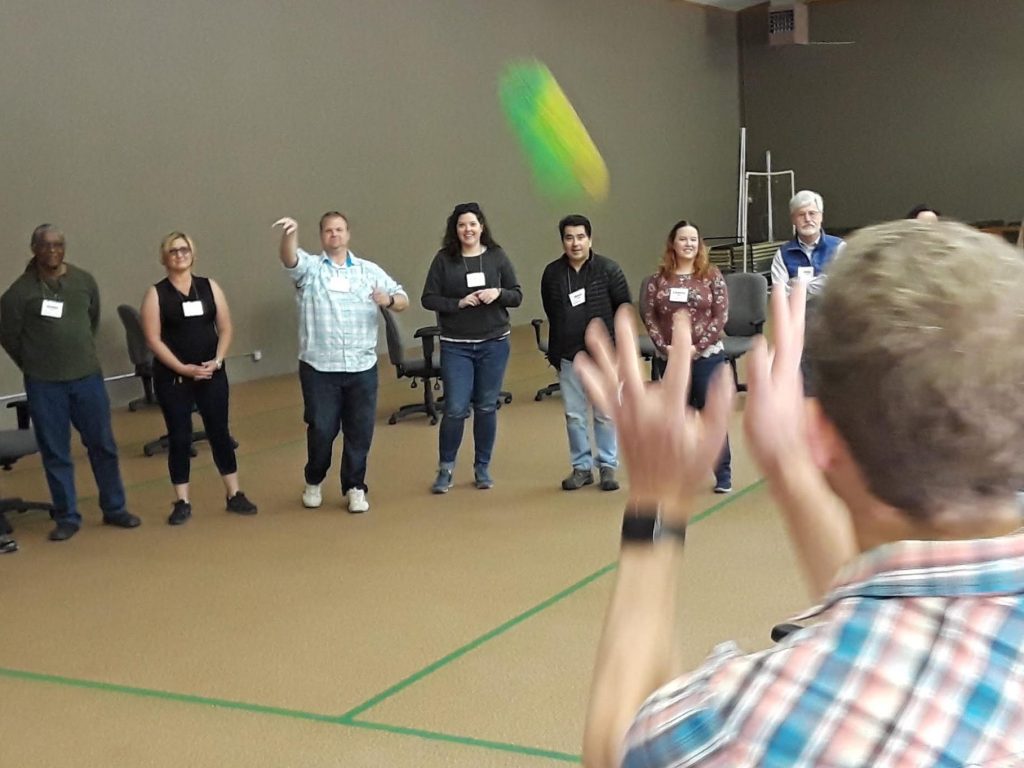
(177, 397)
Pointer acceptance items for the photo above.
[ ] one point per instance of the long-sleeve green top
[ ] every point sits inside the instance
(52, 348)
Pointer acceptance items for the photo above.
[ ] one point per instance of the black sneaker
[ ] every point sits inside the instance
(723, 486)
(7, 545)
(182, 511)
(63, 531)
(122, 519)
(240, 505)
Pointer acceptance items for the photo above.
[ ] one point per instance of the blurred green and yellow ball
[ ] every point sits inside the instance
(563, 158)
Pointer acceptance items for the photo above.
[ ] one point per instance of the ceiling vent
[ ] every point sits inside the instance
(787, 24)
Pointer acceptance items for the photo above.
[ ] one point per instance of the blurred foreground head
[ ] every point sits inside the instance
(917, 354)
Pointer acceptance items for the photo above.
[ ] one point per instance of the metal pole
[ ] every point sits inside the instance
(741, 192)
(768, 180)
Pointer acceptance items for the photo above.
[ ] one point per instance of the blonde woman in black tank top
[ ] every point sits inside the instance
(187, 324)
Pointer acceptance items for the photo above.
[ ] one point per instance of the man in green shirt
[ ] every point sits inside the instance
(48, 318)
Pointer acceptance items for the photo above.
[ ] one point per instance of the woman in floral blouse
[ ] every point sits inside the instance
(688, 282)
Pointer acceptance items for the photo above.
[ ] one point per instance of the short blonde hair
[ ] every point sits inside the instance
(165, 245)
(917, 355)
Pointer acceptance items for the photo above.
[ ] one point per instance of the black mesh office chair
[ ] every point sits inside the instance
(424, 369)
(748, 310)
(16, 444)
(542, 345)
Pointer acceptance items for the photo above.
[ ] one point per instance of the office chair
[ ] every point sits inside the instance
(16, 444)
(542, 345)
(423, 369)
(748, 309)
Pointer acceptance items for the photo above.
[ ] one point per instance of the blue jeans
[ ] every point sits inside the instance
(336, 401)
(577, 408)
(701, 371)
(54, 407)
(472, 374)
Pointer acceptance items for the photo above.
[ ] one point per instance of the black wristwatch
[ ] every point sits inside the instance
(642, 525)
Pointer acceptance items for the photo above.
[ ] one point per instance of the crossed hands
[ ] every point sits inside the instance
(483, 296)
(670, 448)
(200, 372)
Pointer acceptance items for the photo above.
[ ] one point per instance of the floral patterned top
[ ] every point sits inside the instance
(705, 299)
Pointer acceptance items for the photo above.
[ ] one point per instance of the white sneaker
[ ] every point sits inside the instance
(311, 497)
(357, 500)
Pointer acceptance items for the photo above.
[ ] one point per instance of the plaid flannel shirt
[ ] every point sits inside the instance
(917, 660)
(338, 329)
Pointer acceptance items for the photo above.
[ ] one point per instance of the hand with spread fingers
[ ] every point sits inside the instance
(774, 418)
(668, 447)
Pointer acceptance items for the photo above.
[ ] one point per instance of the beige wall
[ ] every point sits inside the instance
(123, 120)
(926, 106)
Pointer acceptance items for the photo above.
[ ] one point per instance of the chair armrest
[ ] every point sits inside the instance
(426, 336)
(21, 407)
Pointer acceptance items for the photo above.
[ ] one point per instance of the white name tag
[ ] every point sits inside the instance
(52, 308)
(192, 308)
(805, 273)
(578, 297)
(339, 284)
(679, 295)
(476, 279)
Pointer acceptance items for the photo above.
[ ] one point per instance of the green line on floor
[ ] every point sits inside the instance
(150, 693)
(473, 644)
(515, 621)
(467, 741)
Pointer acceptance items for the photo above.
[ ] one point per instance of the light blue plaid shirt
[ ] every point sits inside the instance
(338, 324)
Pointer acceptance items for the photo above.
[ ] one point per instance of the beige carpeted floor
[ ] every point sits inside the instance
(433, 631)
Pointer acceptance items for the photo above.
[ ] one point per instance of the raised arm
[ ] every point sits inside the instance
(669, 449)
(775, 421)
(288, 251)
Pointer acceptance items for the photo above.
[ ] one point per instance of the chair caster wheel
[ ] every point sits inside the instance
(508, 399)
(392, 420)
(147, 451)
(433, 421)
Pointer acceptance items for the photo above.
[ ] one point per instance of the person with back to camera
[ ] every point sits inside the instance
(688, 282)
(900, 508)
(187, 324)
(471, 284)
(923, 212)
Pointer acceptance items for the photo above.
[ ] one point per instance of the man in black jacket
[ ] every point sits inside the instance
(577, 287)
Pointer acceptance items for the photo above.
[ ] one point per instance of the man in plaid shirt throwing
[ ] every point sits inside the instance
(897, 485)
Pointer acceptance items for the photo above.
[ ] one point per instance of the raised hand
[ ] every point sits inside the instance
(287, 224)
(668, 447)
(774, 418)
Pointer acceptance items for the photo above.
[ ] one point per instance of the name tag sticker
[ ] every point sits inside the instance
(192, 308)
(578, 297)
(339, 284)
(679, 295)
(52, 308)
(476, 279)
(805, 273)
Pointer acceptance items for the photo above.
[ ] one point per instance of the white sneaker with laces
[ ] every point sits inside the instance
(357, 502)
(311, 497)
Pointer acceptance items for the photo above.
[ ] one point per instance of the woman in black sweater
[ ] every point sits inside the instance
(470, 285)
(187, 324)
